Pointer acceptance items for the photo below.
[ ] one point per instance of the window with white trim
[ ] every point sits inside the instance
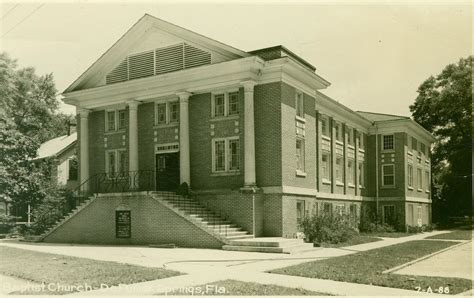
(353, 211)
(166, 112)
(325, 166)
(388, 175)
(350, 171)
(114, 120)
(339, 169)
(338, 131)
(300, 154)
(116, 162)
(225, 155)
(340, 209)
(360, 174)
(388, 142)
(299, 104)
(350, 136)
(410, 175)
(225, 104)
(420, 178)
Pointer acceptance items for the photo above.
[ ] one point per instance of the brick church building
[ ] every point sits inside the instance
(250, 134)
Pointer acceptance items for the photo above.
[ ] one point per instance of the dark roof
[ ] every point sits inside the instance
(279, 52)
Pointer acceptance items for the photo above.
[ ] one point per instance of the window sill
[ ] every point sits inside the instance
(223, 174)
(350, 185)
(223, 118)
(409, 153)
(361, 150)
(300, 119)
(350, 146)
(339, 142)
(114, 132)
(165, 125)
(427, 191)
(388, 151)
(410, 188)
(338, 183)
(420, 190)
(326, 181)
(387, 186)
(300, 173)
(361, 187)
(326, 138)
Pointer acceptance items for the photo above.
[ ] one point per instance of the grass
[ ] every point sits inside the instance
(358, 239)
(55, 269)
(367, 267)
(240, 288)
(454, 235)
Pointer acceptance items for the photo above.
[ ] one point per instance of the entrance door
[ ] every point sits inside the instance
(167, 171)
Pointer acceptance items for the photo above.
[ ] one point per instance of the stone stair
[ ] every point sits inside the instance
(63, 220)
(215, 223)
(269, 245)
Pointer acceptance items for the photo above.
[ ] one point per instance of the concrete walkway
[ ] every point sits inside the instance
(456, 262)
(207, 266)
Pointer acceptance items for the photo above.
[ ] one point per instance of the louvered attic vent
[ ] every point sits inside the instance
(159, 61)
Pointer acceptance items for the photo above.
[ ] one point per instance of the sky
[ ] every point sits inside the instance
(375, 55)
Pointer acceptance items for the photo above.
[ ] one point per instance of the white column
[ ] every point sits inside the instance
(184, 159)
(249, 134)
(84, 146)
(132, 136)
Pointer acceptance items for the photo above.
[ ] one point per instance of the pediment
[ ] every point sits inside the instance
(152, 47)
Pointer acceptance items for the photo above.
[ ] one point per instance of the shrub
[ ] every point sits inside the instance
(7, 222)
(327, 228)
(53, 208)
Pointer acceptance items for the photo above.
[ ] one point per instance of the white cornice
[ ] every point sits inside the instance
(402, 125)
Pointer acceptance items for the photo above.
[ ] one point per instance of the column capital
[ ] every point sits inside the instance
(183, 96)
(248, 85)
(84, 113)
(133, 104)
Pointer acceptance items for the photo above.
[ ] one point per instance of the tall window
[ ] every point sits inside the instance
(121, 119)
(73, 168)
(388, 142)
(340, 209)
(350, 136)
(116, 162)
(353, 211)
(110, 121)
(410, 175)
(233, 103)
(414, 144)
(360, 140)
(325, 126)
(226, 155)
(225, 104)
(300, 154)
(161, 113)
(325, 167)
(300, 212)
(388, 175)
(234, 155)
(350, 171)
(174, 111)
(327, 208)
(420, 178)
(299, 104)
(338, 131)
(360, 175)
(339, 169)
(422, 149)
(409, 143)
(219, 105)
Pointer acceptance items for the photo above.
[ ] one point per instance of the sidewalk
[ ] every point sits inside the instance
(206, 266)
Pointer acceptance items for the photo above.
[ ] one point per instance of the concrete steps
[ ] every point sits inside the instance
(269, 245)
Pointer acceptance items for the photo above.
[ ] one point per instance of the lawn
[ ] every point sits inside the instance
(454, 235)
(240, 288)
(358, 239)
(367, 267)
(71, 271)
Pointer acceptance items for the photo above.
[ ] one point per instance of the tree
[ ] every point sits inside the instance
(443, 107)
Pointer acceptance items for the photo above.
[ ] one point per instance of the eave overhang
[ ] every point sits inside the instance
(402, 125)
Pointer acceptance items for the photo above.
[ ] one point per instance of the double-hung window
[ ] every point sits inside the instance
(410, 175)
(166, 112)
(427, 181)
(325, 126)
(300, 154)
(350, 172)
(388, 175)
(225, 155)
(350, 136)
(420, 179)
(116, 162)
(339, 169)
(225, 104)
(299, 104)
(360, 175)
(388, 142)
(338, 132)
(325, 166)
(114, 120)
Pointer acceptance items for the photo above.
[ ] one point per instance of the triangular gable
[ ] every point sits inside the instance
(149, 34)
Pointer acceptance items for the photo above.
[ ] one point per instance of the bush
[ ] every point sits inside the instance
(327, 228)
(7, 222)
(53, 208)
(419, 229)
